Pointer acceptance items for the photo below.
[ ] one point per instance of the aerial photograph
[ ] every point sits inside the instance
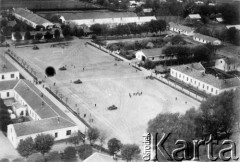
(119, 80)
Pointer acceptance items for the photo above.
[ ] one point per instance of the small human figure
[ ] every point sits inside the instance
(95, 105)
(176, 98)
(54, 83)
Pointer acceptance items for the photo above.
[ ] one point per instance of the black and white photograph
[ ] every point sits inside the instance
(119, 80)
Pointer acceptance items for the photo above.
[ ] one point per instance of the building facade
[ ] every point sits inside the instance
(195, 76)
(228, 64)
(206, 39)
(181, 29)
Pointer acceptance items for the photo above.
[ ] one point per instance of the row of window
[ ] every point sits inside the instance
(3, 76)
(68, 133)
(195, 82)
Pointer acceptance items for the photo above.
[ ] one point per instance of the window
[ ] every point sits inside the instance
(68, 132)
(172, 72)
(211, 89)
(7, 94)
(187, 78)
(3, 77)
(56, 135)
(84, 115)
(12, 75)
(216, 92)
(179, 75)
(183, 76)
(191, 81)
(195, 82)
(203, 85)
(207, 87)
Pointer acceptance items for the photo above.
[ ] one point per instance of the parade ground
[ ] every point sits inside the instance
(105, 82)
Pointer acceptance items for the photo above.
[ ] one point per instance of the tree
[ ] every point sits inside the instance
(114, 145)
(129, 151)
(38, 36)
(27, 35)
(177, 40)
(2, 38)
(92, 134)
(201, 53)
(44, 143)
(18, 36)
(48, 35)
(102, 138)
(26, 147)
(69, 153)
(84, 151)
(76, 137)
(66, 30)
(57, 34)
(96, 29)
(220, 113)
(3, 23)
(5, 119)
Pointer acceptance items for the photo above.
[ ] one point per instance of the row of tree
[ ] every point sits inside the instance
(197, 53)
(48, 35)
(130, 28)
(231, 35)
(218, 116)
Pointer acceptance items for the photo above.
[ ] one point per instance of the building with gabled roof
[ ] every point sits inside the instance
(101, 157)
(31, 19)
(103, 17)
(194, 16)
(228, 64)
(181, 29)
(206, 39)
(154, 54)
(45, 116)
(194, 75)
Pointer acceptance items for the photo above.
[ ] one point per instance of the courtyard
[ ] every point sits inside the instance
(105, 82)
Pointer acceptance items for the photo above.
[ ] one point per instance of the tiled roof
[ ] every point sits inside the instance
(181, 27)
(7, 85)
(6, 66)
(100, 157)
(205, 37)
(152, 52)
(97, 15)
(43, 106)
(194, 16)
(41, 126)
(207, 78)
(31, 16)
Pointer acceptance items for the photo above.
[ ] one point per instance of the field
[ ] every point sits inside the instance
(106, 82)
(46, 4)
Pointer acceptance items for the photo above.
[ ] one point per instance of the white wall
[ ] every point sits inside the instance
(8, 77)
(62, 134)
(209, 89)
(7, 94)
(139, 55)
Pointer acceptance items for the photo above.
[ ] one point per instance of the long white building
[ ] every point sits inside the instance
(45, 117)
(31, 19)
(104, 17)
(195, 76)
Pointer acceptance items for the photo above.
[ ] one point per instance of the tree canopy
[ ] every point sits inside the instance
(129, 151)
(114, 145)
(84, 151)
(5, 119)
(43, 143)
(92, 134)
(26, 147)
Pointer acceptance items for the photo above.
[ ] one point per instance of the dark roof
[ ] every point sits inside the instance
(181, 27)
(97, 15)
(205, 37)
(43, 106)
(152, 52)
(233, 60)
(31, 16)
(6, 66)
(7, 85)
(41, 126)
(207, 78)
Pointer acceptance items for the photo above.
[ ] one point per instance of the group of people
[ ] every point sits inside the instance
(135, 94)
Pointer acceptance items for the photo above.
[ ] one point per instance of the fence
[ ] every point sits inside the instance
(179, 88)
